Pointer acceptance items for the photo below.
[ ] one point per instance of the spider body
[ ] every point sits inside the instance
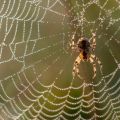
(86, 48)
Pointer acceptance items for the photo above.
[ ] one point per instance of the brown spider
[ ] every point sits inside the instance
(86, 48)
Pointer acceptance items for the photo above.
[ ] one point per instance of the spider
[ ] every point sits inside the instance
(86, 48)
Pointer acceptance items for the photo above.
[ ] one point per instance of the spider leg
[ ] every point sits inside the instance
(93, 41)
(100, 64)
(80, 40)
(92, 60)
(75, 67)
(72, 43)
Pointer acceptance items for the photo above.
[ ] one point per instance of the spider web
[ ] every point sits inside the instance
(36, 66)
